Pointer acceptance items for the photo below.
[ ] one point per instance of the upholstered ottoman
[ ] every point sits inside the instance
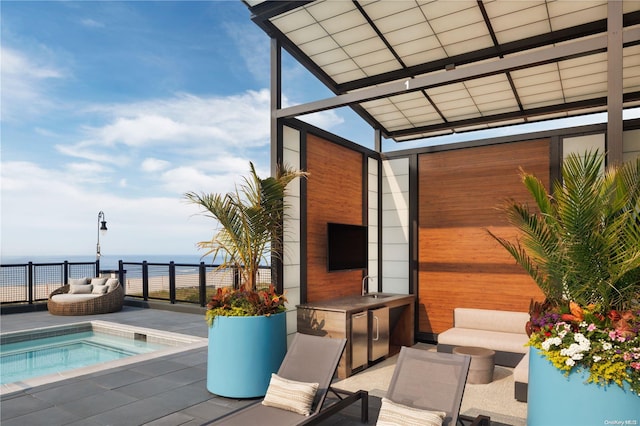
(482, 363)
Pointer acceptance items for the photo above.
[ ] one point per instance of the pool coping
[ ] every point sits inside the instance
(179, 343)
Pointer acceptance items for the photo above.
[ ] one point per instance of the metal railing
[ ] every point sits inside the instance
(33, 282)
(173, 282)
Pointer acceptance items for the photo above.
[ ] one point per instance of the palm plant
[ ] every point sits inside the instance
(250, 222)
(582, 243)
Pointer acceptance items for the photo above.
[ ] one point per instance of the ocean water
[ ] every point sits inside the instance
(110, 262)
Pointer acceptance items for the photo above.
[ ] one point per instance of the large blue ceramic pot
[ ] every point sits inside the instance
(555, 399)
(243, 352)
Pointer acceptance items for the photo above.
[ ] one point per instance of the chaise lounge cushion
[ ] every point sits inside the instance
(394, 414)
(290, 395)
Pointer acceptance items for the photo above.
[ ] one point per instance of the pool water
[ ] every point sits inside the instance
(44, 355)
(49, 355)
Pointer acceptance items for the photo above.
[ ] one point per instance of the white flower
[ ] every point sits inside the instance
(570, 362)
(606, 346)
(596, 358)
(555, 341)
(579, 337)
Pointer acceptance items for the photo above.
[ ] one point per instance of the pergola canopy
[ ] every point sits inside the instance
(417, 69)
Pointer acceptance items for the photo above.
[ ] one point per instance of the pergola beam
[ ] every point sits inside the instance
(614, 82)
(554, 54)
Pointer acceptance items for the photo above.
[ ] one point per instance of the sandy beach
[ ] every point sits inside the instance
(132, 286)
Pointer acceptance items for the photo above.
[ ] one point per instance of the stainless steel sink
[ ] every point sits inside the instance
(376, 296)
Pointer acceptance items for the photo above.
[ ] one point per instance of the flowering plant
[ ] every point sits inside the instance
(606, 343)
(231, 302)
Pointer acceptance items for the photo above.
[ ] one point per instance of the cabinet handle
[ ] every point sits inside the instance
(377, 328)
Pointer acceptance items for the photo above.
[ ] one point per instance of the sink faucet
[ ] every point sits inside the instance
(365, 284)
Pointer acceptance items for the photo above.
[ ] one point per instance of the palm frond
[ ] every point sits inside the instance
(583, 242)
(250, 221)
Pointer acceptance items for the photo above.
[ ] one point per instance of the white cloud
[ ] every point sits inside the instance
(253, 47)
(323, 120)
(90, 23)
(49, 216)
(24, 81)
(154, 164)
(219, 175)
(182, 123)
(160, 148)
(86, 150)
(184, 179)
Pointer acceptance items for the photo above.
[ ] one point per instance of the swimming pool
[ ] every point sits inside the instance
(44, 355)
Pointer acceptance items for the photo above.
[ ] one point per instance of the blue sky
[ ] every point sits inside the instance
(122, 107)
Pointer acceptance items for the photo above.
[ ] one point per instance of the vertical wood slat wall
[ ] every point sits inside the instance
(334, 194)
(458, 196)
(460, 265)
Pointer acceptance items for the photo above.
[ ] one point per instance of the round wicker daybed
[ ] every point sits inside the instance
(88, 304)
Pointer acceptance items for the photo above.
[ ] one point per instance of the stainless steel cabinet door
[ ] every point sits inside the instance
(359, 339)
(378, 333)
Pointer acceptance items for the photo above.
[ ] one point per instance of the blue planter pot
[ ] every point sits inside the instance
(554, 399)
(243, 352)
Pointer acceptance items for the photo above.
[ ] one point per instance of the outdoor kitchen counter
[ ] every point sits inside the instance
(358, 303)
(335, 318)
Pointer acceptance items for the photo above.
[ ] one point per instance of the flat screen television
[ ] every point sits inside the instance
(346, 247)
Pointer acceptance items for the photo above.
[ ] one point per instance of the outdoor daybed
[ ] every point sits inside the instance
(87, 297)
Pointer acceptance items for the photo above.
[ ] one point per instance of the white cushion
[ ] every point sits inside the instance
(491, 320)
(80, 289)
(98, 281)
(78, 281)
(112, 283)
(68, 298)
(99, 289)
(394, 414)
(498, 341)
(290, 395)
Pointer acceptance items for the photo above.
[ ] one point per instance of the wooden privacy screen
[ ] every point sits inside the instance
(334, 194)
(460, 265)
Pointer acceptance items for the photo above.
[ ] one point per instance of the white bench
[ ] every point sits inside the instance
(502, 331)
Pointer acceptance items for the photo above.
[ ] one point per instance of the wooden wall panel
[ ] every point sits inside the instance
(334, 194)
(460, 265)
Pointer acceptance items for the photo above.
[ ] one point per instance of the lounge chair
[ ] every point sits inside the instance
(433, 381)
(309, 359)
(62, 301)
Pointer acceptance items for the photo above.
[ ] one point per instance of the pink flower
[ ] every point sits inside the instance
(635, 365)
(591, 327)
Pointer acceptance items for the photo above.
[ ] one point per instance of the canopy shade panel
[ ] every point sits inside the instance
(416, 69)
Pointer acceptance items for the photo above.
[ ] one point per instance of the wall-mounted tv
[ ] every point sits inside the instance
(346, 247)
